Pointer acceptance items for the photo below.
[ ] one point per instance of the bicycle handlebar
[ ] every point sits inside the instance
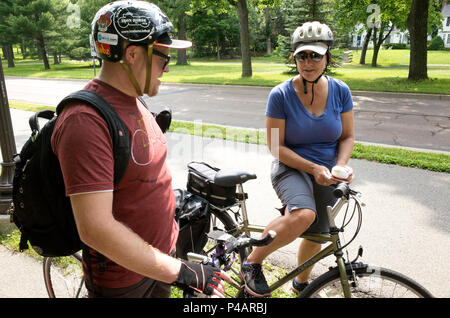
(235, 245)
(342, 189)
(243, 242)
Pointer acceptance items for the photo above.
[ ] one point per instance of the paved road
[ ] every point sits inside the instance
(400, 120)
(406, 223)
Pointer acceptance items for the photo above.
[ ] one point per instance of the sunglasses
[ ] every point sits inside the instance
(167, 57)
(302, 56)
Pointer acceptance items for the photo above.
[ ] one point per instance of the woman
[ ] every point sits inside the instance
(309, 122)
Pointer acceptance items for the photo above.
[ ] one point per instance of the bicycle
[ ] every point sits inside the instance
(347, 279)
(230, 240)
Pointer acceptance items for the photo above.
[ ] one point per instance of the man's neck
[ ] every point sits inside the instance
(115, 76)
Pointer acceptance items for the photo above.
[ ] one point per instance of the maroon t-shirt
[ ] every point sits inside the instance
(143, 200)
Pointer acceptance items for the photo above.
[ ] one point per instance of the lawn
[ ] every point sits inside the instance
(401, 58)
(391, 74)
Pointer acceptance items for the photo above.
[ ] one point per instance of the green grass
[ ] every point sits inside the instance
(388, 155)
(391, 75)
(401, 57)
(393, 79)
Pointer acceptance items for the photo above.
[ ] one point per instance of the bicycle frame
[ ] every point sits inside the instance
(334, 246)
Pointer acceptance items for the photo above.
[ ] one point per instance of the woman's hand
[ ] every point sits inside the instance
(323, 176)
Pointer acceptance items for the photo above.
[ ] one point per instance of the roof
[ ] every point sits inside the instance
(446, 10)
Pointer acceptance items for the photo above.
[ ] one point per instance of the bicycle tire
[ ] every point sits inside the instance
(227, 224)
(63, 277)
(371, 282)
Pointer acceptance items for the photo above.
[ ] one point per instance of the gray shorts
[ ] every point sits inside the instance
(298, 190)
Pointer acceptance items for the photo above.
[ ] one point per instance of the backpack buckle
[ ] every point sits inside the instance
(34, 134)
(10, 212)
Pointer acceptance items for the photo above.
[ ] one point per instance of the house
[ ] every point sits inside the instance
(398, 36)
(444, 33)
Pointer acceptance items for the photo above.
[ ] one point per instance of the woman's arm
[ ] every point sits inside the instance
(275, 142)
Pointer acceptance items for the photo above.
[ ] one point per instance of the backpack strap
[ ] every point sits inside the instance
(117, 129)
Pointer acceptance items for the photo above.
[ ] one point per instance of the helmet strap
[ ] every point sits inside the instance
(305, 90)
(131, 77)
(148, 75)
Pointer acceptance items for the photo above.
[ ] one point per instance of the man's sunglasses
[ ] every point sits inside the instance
(302, 56)
(167, 57)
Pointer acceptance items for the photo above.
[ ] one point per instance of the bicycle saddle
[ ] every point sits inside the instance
(229, 178)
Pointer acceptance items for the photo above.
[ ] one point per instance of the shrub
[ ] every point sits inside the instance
(395, 46)
(436, 44)
(80, 53)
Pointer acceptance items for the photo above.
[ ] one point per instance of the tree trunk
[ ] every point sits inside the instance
(181, 54)
(10, 55)
(244, 33)
(217, 44)
(362, 60)
(55, 58)
(41, 45)
(378, 42)
(268, 31)
(417, 26)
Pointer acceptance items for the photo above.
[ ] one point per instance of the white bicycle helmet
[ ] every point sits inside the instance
(314, 36)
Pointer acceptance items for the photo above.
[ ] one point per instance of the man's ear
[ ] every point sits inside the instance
(131, 53)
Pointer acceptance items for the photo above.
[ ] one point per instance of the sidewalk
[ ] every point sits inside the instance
(406, 223)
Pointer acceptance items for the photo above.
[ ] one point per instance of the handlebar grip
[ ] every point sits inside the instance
(342, 189)
(265, 240)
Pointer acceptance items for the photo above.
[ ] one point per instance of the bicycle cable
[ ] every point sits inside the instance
(358, 227)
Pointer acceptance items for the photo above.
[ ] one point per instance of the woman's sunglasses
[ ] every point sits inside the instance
(167, 57)
(302, 56)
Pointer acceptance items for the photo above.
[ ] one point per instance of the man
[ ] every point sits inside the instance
(129, 227)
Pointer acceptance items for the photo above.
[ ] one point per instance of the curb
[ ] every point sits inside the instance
(5, 225)
(401, 95)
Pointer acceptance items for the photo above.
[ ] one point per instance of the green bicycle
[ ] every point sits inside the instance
(349, 278)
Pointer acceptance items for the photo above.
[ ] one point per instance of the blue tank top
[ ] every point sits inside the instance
(313, 138)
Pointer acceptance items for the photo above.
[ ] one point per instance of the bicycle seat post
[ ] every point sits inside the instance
(242, 204)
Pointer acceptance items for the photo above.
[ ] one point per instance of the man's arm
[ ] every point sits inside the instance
(100, 230)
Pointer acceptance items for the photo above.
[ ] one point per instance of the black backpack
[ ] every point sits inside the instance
(41, 211)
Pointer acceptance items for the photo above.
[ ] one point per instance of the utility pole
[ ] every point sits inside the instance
(8, 148)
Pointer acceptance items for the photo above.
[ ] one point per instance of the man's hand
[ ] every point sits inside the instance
(202, 278)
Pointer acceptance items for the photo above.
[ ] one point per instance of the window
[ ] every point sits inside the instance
(448, 38)
(448, 21)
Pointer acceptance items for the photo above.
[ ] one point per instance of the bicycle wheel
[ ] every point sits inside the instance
(64, 277)
(366, 282)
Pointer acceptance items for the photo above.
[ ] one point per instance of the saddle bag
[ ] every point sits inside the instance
(201, 182)
(193, 217)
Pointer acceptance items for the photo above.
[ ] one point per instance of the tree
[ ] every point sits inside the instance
(32, 19)
(8, 36)
(242, 9)
(244, 33)
(297, 12)
(417, 25)
(176, 11)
